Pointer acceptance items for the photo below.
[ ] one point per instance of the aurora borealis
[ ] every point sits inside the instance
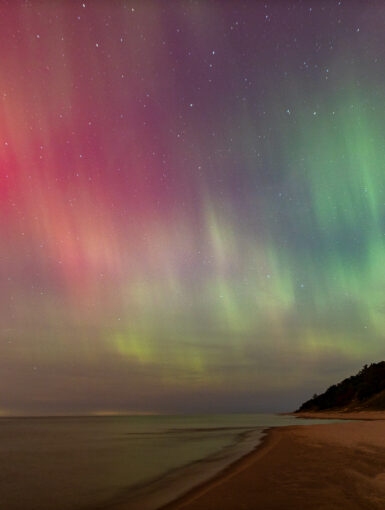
(192, 202)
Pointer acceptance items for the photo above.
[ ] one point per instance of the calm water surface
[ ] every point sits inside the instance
(101, 462)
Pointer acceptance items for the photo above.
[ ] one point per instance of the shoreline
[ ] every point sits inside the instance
(236, 467)
(245, 483)
(161, 492)
(184, 483)
(342, 415)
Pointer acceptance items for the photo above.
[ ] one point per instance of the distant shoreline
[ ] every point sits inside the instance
(338, 465)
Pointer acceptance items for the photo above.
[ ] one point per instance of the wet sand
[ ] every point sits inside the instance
(329, 467)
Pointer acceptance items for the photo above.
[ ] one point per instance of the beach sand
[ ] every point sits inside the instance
(329, 467)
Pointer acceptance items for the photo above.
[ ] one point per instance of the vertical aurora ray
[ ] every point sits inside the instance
(192, 202)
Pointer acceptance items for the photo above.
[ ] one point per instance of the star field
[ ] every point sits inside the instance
(192, 202)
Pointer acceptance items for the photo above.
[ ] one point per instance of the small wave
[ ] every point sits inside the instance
(159, 491)
(190, 430)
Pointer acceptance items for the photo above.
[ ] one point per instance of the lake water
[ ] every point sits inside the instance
(84, 463)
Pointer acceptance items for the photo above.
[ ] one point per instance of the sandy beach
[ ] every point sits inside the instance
(330, 466)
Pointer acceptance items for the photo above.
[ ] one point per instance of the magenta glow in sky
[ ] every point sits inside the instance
(167, 243)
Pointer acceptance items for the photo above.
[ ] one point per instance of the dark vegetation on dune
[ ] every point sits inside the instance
(365, 390)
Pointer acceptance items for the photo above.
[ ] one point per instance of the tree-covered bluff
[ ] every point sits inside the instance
(365, 390)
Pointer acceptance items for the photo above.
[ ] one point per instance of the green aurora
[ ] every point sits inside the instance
(193, 214)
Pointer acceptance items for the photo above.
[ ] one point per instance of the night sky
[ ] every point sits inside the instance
(192, 203)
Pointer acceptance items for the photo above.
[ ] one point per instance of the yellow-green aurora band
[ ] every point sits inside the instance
(192, 203)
